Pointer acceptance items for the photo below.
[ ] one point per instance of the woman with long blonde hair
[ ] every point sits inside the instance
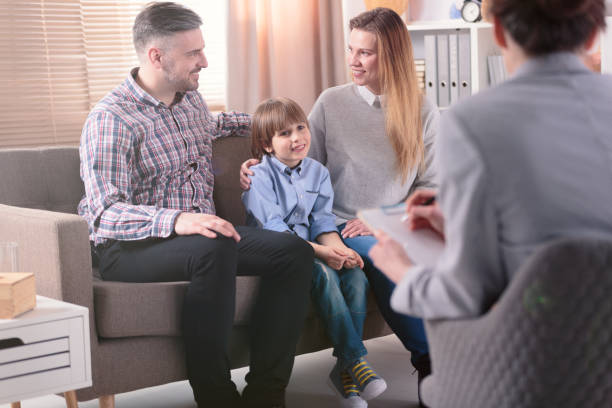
(376, 137)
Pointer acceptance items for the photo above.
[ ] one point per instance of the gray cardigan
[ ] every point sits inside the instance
(348, 136)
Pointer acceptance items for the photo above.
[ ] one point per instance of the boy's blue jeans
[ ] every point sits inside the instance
(410, 330)
(340, 298)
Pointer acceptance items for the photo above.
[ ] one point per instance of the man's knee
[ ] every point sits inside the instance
(212, 256)
(220, 247)
(301, 251)
(295, 261)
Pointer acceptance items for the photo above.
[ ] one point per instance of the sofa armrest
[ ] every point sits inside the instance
(55, 247)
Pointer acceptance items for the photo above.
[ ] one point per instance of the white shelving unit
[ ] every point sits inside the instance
(482, 44)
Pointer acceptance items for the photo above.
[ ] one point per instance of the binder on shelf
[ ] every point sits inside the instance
(453, 66)
(419, 66)
(443, 77)
(431, 68)
(465, 74)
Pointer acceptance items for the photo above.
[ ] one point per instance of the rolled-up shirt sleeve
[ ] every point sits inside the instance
(232, 124)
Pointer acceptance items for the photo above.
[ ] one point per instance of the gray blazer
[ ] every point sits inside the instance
(520, 165)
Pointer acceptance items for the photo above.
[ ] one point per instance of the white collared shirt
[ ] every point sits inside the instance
(370, 97)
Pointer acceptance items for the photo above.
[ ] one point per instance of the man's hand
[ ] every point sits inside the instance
(204, 224)
(355, 228)
(245, 173)
(389, 257)
(333, 257)
(425, 216)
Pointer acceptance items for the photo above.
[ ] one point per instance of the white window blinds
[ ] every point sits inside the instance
(59, 58)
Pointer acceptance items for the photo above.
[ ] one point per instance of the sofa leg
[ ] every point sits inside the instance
(16, 404)
(71, 399)
(107, 401)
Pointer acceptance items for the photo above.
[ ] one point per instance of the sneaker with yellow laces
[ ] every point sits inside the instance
(370, 384)
(344, 387)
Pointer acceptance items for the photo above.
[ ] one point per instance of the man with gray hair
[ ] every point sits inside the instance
(146, 162)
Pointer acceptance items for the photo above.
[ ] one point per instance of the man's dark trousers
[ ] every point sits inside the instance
(284, 263)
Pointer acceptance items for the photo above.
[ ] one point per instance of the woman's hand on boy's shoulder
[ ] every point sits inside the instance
(246, 173)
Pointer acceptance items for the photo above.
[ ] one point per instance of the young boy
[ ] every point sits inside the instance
(292, 193)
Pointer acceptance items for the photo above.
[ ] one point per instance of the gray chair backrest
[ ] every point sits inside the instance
(546, 343)
(43, 178)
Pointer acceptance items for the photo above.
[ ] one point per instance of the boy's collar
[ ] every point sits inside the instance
(282, 167)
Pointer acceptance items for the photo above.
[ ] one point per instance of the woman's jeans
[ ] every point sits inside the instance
(410, 330)
(340, 298)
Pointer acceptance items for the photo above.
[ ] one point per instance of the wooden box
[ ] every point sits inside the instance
(17, 294)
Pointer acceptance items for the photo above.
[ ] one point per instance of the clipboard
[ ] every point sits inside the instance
(423, 247)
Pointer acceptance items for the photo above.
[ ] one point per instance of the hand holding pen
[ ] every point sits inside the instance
(423, 211)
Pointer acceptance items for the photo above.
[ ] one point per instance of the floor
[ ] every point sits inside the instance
(307, 388)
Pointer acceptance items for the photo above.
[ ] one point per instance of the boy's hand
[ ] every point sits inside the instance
(333, 257)
(353, 260)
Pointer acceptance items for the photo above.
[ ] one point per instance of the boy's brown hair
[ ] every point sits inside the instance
(271, 116)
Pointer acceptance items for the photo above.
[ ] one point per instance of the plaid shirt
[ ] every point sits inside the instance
(143, 163)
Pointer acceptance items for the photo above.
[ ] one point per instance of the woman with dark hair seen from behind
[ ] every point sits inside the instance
(520, 165)
(376, 137)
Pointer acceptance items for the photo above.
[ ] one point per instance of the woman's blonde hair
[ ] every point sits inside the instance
(271, 116)
(398, 83)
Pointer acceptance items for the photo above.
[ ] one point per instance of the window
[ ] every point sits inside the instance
(59, 58)
(213, 80)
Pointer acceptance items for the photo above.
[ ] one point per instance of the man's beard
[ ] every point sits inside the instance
(179, 84)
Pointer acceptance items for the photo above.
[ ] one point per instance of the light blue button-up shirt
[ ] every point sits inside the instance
(297, 200)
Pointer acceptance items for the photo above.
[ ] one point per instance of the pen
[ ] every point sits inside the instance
(429, 201)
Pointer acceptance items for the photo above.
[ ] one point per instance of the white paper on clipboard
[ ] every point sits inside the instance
(424, 247)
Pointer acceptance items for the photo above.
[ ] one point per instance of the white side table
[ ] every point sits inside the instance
(45, 351)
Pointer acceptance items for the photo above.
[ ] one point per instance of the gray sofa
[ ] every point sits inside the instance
(135, 334)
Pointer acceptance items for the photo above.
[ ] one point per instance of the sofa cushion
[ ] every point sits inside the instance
(154, 309)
